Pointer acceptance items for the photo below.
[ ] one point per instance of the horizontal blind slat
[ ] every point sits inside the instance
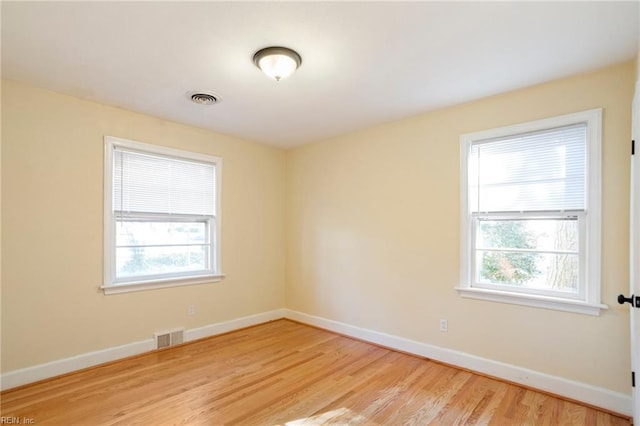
(162, 184)
(544, 170)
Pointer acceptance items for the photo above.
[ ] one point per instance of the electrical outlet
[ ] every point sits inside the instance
(444, 326)
(191, 310)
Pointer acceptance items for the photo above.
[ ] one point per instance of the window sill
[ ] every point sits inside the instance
(545, 302)
(156, 284)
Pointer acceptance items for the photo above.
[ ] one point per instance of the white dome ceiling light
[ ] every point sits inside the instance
(277, 62)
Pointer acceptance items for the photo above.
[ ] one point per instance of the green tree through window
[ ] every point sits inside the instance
(507, 267)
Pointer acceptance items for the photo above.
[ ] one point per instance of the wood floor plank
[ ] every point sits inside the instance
(312, 397)
(285, 373)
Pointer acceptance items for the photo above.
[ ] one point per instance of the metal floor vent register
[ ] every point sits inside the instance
(169, 338)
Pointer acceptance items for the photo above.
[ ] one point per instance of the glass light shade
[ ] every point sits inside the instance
(277, 62)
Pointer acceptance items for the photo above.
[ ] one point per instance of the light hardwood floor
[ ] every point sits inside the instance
(286, 373)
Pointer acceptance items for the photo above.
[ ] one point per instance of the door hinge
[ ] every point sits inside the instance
(633, 147)
(633, 379)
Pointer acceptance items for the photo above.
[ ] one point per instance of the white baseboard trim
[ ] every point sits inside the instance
(593, 395)
(231, 325)
(27, 375)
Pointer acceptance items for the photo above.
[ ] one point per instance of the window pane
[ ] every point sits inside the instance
(142, 233)
(543, 271)
(538, 234)
(142, 261)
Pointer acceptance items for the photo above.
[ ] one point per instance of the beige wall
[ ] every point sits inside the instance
(52, 177)
(373, 229)
(368, 223)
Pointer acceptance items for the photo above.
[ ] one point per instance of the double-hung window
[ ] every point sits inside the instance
(161, 217)
(530, 217)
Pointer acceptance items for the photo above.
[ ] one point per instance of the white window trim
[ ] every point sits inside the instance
(591, 304)
(110, 285)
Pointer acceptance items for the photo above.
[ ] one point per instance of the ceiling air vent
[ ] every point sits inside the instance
(204, 98)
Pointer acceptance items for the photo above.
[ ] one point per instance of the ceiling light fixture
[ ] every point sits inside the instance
(277, 62)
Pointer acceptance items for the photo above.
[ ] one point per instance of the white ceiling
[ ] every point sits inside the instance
(363, 63)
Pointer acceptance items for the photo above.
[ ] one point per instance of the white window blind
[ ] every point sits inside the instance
(537, 171)
(148, 183)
